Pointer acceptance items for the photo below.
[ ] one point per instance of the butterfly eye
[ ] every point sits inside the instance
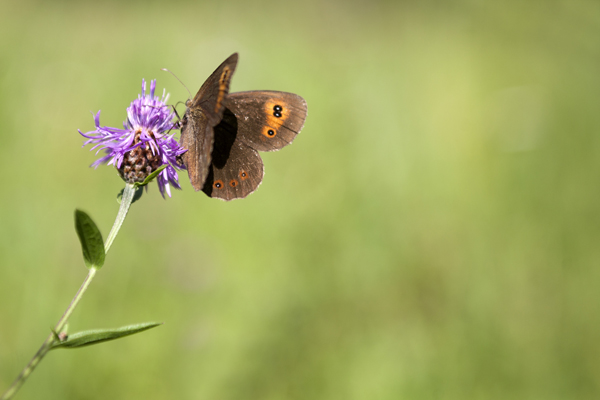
(243, 175)
(233, 183)
(271, 132)
(277, 108)
(218, 184)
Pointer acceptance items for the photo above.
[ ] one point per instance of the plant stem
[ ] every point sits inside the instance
(47, 345)
(126, 200)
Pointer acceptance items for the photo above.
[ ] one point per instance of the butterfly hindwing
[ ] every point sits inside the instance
(252, 121)
(236, 169)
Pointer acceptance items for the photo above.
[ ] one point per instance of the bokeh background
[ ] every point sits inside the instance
(433, 232)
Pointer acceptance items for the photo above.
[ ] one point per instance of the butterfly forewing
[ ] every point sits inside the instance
(212, 93)
(267, 120)
(203, 112)
(197, 137)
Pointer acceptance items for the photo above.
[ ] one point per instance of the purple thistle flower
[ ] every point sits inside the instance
(144, 145)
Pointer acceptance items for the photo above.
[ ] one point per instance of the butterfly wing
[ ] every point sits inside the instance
(267, 120)
(203, 112)
(256, 120)
(197, 137)
(236, 169)
(211, 96)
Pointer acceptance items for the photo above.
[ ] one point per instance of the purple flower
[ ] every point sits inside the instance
(144, 145)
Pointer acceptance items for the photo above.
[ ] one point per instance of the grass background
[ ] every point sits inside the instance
(433, 233)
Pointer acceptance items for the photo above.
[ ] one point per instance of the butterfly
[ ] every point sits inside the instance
(223, 133)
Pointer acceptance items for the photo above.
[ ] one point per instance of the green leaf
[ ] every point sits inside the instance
(90, 237)
(150, 177)
(138, 195)
(87, 338)
(56, 337)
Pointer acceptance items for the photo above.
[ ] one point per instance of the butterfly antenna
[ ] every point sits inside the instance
(166, 70)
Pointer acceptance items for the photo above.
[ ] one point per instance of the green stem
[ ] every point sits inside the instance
(51, 339)
(126, 200)
(47, 345)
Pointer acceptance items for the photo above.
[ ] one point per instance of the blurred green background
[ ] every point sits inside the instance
(433, 232)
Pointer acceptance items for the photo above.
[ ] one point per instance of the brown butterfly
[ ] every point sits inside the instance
(223, 133)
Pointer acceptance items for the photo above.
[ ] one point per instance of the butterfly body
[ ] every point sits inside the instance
(223, 133)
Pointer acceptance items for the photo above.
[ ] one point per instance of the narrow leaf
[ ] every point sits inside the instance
(150, 177)
(87, 338)
(90, 237)
(56, 337)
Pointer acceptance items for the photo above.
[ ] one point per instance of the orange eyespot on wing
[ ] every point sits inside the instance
(277, 112)
(268, 131)
(266, 120)
(242, 171)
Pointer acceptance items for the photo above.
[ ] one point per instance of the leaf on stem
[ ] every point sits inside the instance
(90, 237)
(87, 338)
(150, 177)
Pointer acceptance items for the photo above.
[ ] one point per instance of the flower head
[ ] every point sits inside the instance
(144, 145)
